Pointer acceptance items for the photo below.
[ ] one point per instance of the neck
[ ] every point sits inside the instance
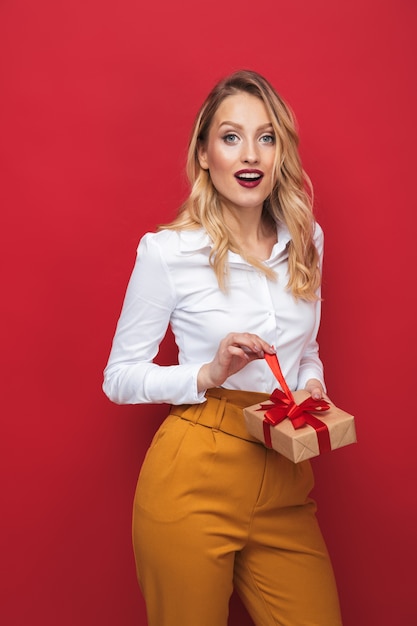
(252, 234)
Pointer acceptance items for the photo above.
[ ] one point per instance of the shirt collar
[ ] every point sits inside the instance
(198, 240)
(194, 240)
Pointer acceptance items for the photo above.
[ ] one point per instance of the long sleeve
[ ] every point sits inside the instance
(310, 363)
(130, 376)
(174, 284)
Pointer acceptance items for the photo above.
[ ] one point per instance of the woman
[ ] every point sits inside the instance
(236, 275)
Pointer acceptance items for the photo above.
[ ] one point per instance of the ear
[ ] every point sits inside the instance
(202, 156)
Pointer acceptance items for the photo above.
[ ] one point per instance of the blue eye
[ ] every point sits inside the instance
(268, 139)
(230, 138)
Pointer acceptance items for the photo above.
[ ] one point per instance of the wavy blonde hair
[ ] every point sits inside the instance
(290, 200)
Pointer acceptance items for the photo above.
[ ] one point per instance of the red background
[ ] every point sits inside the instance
(97, 100)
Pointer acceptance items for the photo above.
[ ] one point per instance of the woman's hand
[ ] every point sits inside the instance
(315, 389)
(235, 351)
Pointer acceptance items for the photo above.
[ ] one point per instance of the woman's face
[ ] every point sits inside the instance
(239, 152)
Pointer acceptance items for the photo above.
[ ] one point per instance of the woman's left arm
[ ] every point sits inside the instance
(311, 374)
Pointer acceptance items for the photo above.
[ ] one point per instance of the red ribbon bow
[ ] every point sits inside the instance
(285, 406)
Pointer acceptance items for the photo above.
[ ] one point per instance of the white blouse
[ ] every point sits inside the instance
(173, 283)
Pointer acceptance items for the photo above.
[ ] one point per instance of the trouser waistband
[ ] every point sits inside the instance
(223, 410)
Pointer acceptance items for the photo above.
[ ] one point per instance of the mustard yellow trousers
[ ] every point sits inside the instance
(215, 510)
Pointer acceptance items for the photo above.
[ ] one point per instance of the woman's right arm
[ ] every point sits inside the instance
(130, 376)
(235, 351)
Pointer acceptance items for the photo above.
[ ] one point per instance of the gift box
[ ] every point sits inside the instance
(296, 425)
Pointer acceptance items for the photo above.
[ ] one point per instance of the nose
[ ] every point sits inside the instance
(250, 152)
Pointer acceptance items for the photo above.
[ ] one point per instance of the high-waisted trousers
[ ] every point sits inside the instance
(215, 510)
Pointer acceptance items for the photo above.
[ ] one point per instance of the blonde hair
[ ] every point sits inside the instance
(290, 200)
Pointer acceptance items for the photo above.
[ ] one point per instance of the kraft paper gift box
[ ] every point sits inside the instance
(296, 425)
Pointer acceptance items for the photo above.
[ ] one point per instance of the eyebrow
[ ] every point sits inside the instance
(236, 125)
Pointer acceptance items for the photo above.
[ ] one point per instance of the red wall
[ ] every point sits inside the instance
(96, 104)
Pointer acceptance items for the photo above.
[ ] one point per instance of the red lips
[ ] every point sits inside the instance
(249, 177)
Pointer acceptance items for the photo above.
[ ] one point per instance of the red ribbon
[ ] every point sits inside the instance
(285, 406)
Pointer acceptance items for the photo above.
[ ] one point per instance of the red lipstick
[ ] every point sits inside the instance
(249, 177)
